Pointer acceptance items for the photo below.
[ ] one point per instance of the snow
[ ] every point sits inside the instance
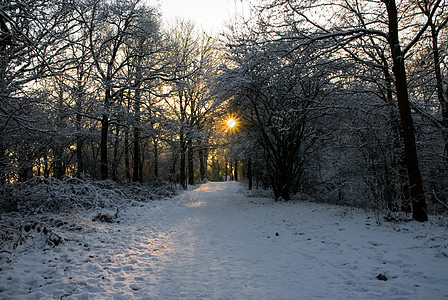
(217, 242)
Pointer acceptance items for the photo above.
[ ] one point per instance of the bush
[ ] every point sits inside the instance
(50, 208)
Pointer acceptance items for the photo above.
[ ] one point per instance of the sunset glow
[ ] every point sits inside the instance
(231, 123)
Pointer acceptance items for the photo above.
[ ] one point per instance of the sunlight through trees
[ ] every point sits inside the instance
(344, 101)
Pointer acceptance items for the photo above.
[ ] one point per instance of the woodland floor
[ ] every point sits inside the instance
(216, 242)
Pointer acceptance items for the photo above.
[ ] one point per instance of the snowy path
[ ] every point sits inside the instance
(215, 243)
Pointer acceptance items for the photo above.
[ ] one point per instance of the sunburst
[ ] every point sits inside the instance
(231, 123)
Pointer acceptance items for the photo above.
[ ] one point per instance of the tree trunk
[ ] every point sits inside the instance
(190, 163)
(58, 165)
(80, 100)
(407, 125)
(235, 172)
(156, 157)
(126, 154)
(79, 144)
(115, 162)
(226, 169)
(182, 141)
(104, 138)
(137, 175)
(398, 159)
(103, 146)
(205, 164)
(183, 179)
(249, 173)
(201, 163)
(173, 174)
(439, 84)
(142, 162)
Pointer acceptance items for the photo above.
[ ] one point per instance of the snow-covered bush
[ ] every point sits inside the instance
(70, 195)
(51, 208)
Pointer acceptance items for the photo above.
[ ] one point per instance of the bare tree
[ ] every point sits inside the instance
(310, 29)
(280, 94)
(110, 27)
(31, 39)
(190, 105)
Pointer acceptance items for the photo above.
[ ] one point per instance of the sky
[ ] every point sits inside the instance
(210, 15)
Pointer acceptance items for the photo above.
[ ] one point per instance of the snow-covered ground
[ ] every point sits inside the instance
(217, 243)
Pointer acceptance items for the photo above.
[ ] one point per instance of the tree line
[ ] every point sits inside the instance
(99, 88)
(345, 101)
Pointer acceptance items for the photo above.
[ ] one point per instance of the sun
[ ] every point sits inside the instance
(231, 123)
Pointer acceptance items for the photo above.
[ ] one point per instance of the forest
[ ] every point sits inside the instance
(341, 101)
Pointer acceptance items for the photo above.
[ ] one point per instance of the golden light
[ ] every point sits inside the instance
(231, 123)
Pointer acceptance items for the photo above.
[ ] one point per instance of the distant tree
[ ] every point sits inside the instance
(146, 68)
(110, 28)
(195, 56)
(280, 94)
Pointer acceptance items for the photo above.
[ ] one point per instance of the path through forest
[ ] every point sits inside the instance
(215, 242)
